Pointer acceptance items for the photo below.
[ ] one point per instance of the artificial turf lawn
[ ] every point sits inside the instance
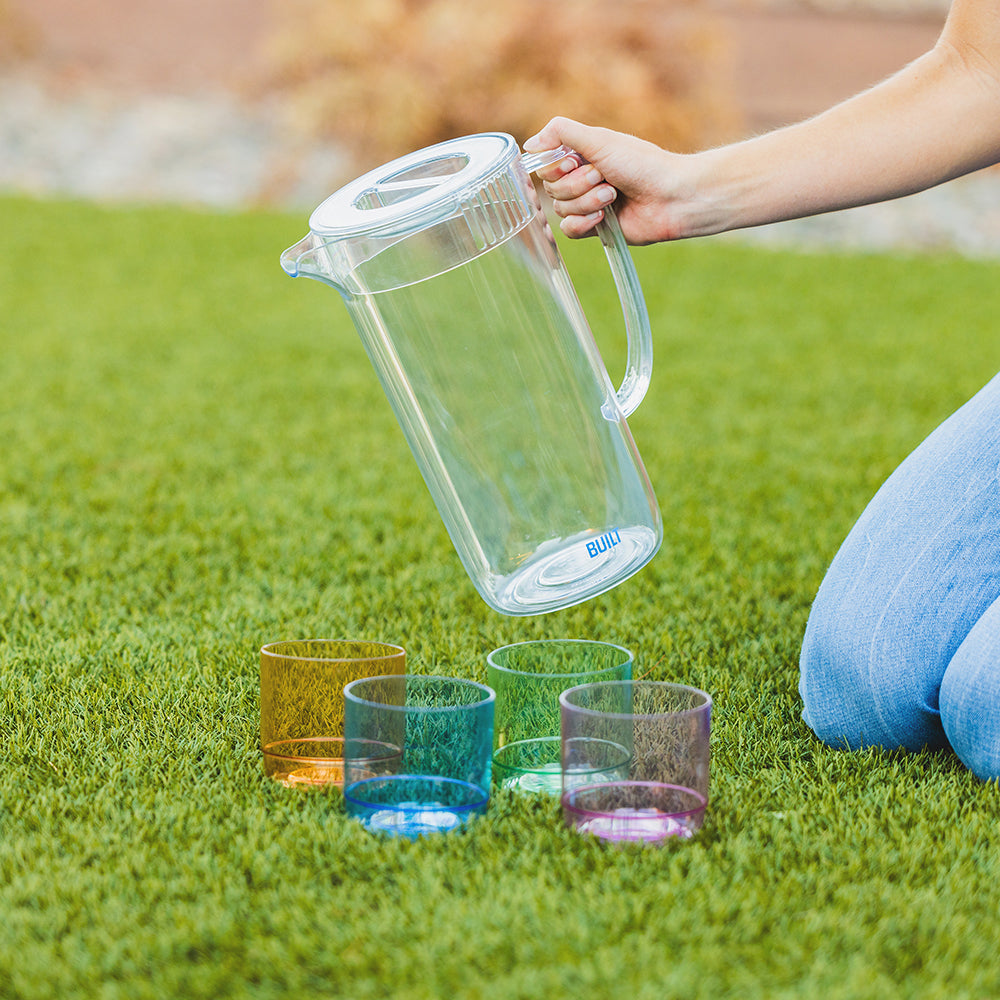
(197, 459)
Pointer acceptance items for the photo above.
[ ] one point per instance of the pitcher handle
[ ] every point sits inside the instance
(639, 361)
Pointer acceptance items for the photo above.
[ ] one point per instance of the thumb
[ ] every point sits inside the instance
(564, 132)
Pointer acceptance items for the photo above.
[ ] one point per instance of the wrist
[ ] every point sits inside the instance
(738, 186)
(698, 197)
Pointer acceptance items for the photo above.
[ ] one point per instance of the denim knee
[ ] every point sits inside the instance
(970, 697)
(897, 608)
(857, 686)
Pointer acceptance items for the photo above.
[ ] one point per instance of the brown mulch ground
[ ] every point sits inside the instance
(140, 100)
(787, 63)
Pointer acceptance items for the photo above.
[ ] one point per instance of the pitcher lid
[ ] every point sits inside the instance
(416, 190)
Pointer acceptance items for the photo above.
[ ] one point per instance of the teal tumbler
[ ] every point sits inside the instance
(437, 733)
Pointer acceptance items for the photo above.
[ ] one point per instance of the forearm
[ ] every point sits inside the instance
(936, 119)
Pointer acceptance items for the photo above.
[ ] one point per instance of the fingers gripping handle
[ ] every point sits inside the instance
(639, 361)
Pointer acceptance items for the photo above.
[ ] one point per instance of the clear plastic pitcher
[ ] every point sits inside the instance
(452, 277)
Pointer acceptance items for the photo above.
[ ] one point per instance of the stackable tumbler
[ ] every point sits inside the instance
(302, 704)
(434, 737)
(664, 730)
(528, 678)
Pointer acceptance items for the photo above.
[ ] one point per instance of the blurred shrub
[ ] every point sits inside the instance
(384, 77)
(16, 38)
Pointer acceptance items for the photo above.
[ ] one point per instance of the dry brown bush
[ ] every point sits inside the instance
(16, 37)
(384, 77)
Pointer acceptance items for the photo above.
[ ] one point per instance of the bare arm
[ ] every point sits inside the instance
(937, 118)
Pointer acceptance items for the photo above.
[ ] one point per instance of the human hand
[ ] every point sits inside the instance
(605, 167)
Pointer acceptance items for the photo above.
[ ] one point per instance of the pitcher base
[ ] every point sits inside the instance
(572, 570)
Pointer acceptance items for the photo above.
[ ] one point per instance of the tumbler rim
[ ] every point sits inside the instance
(389, 650)
(551, 642)
(564, 701)
(490, 694)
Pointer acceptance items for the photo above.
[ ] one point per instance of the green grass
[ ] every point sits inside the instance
(197, 459)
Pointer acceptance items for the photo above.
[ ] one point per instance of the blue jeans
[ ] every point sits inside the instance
(902, 647)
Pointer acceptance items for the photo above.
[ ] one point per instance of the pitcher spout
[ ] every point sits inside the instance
(310, 258)
(291, 258)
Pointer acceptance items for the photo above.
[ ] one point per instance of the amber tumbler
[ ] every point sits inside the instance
(302, 705)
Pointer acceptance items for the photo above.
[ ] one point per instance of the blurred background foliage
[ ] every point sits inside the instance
(385, 77)
(16, 37)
